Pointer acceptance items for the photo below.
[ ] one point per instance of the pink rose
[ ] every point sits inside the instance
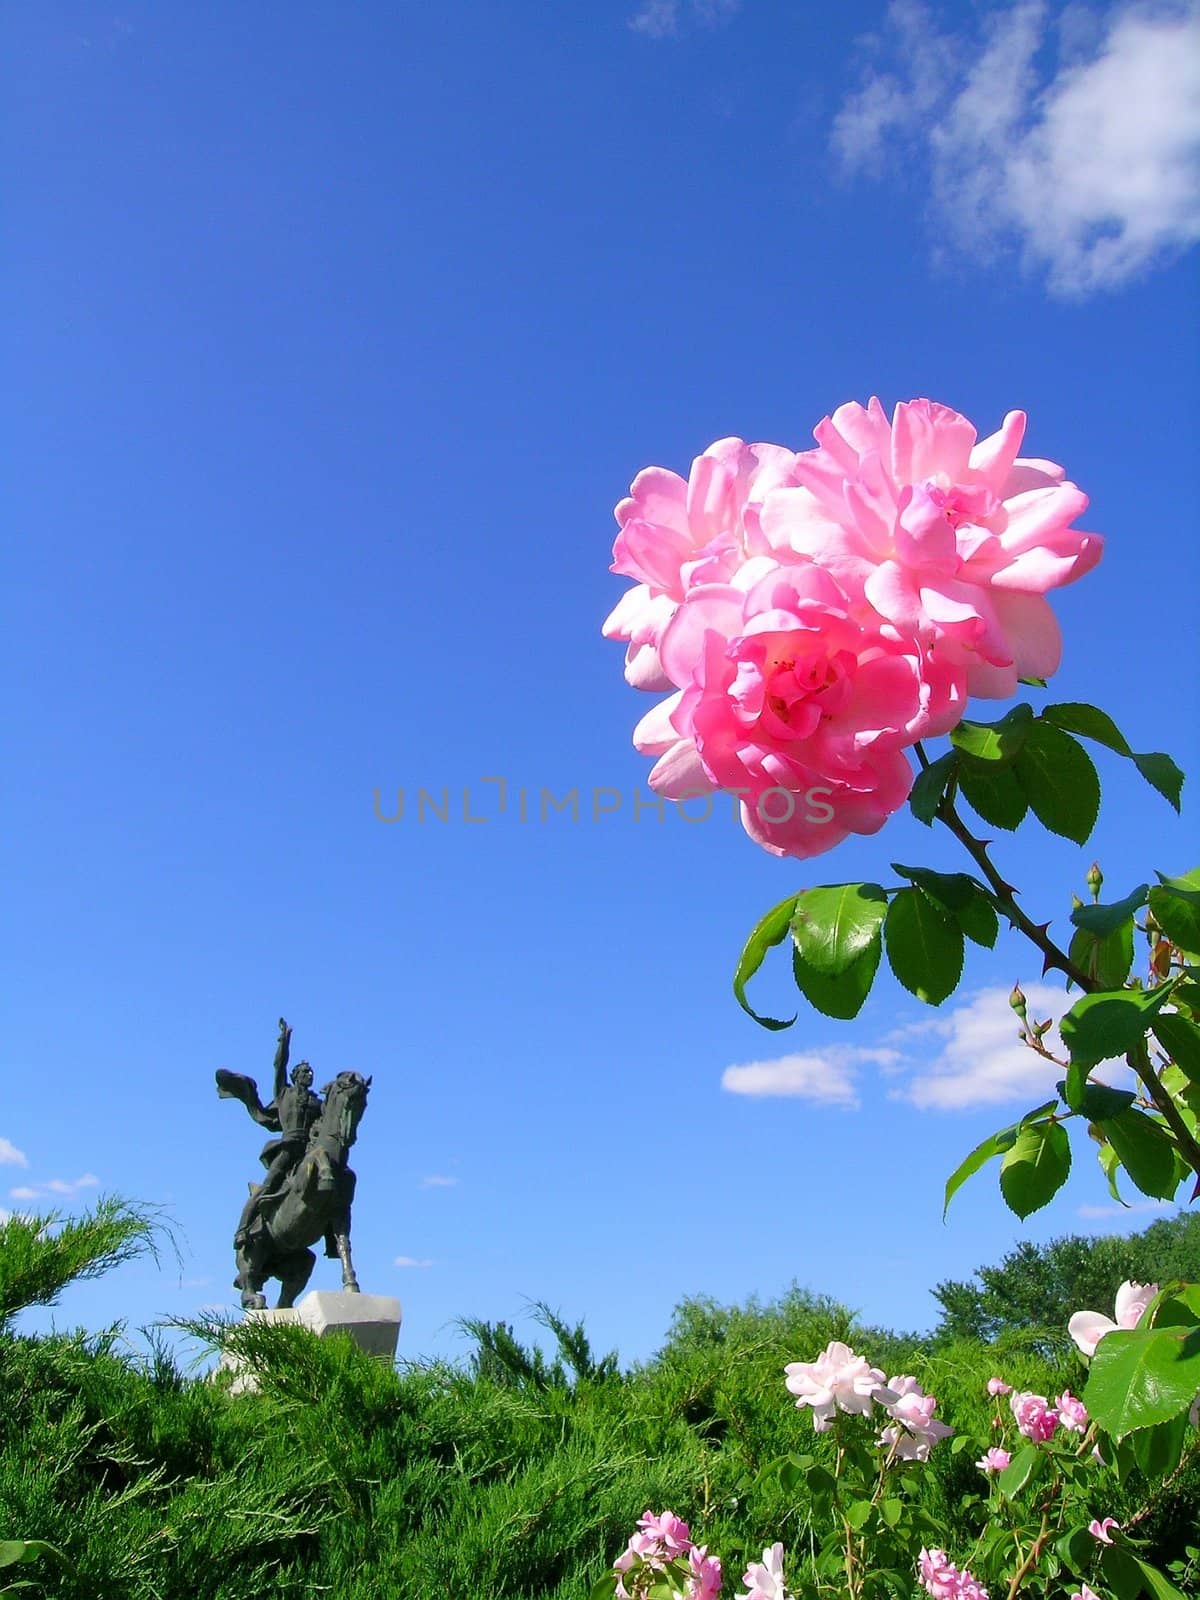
(995, 1460)
(1084, 1593)
(1087, 1328)
(764, 1579)
(954, 542)
(788, 699)
(1099, 1530)
(1034, 1416)
(660, 1538)
(1072, 1413)
(938, 1575)
(838, 1380)
(705, 1574)
(675, 535)
(997, 1386)
(917, 1430)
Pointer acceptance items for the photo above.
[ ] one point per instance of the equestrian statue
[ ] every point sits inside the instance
(308, 1187)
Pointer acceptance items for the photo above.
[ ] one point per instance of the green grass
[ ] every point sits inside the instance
(519, 1476)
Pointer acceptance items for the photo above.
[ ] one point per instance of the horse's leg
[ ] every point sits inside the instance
(339, 1228)
(250, 1281)
(294, 1272)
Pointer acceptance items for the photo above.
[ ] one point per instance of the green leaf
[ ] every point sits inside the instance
(1107, 1025)
(843, 996)
(1106, 959)
(1158, 770)
(833, 925)
(995, 794)
(1096, 1101)
(1100, 920)
(994, 1145)
(771, 930)
(1019, 1473)
(18, 1552)
(1180, 1038)
(1110, 1166)
(1058, 779)
(949, 890)
(978, 920)
(924, 946)
(1076, 1548)
(1036, 1167)
(1175, 906)
(1121, 1572)
(1157, 1450)
(858, 1514)
(994, 742)
(891, 1511)
(604, 1588)
(1146, 1150)
(1142, 1376)
(930, 785)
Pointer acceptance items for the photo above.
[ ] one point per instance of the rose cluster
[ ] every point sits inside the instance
(811, 615)
(664, 1540)
(839, 1380)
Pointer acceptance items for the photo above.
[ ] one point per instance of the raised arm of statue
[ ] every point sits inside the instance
(281, 1057)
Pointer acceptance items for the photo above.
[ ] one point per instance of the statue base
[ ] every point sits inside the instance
(371, 1320)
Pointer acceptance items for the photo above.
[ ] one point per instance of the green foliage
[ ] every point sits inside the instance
(40, 1255)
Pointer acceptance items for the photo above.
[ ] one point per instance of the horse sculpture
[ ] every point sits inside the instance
(312, 1202)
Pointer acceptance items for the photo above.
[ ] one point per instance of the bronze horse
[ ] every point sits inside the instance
(313, 1202)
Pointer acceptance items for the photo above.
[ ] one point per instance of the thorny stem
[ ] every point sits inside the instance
(1031, 1560)
(1138, 1058)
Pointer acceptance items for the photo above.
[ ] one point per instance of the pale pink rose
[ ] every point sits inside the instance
(659, 1539)
(1099, 1530)
(1072, 1413)
(995, 1460)
(786, 698)
(916, 1428)
(938, 1575)
(1034, 1416)
(676, 534)
(764, 1579)
(954, 542)
(997, 1386)
(838, 1380)
(969, 1588)
(705, 1574)
(1084, 1593)
(1087, 1328)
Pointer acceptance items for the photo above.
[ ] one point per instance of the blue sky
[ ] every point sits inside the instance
(337, 332)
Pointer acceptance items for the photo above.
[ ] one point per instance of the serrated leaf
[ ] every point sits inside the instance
(996, 1144)
(858, 1514)
(1095, 1101)
(924, 946)
(843, 996)
(1107, 1025)
(950, 890)
(1036, 1167)
(1146, 1150)
(1157, 1450)
(1110, 1166)
(930, 785)
(891, 1510)
(1106, 960)
(834, 924)
(1180, 1038)
(1020, 1471)
(1104, 919)
(1176, 909)
(1058, 778)
(995, 794)
(978, 920)
(604, 1588)
(768, 932)
(1159, 771)
(1142, 1376)
(994, 742)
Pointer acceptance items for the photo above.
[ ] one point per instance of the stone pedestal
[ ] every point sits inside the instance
(371, 1320)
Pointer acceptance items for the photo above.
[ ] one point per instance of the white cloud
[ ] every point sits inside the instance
(1092, 168)
(826, 1077)
(58, 1186)
(5, 1216)
(982, 1061)
(1124, 1211)
(437, 1180)
(662, 19)
(411, 1261)
(11, 1156)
